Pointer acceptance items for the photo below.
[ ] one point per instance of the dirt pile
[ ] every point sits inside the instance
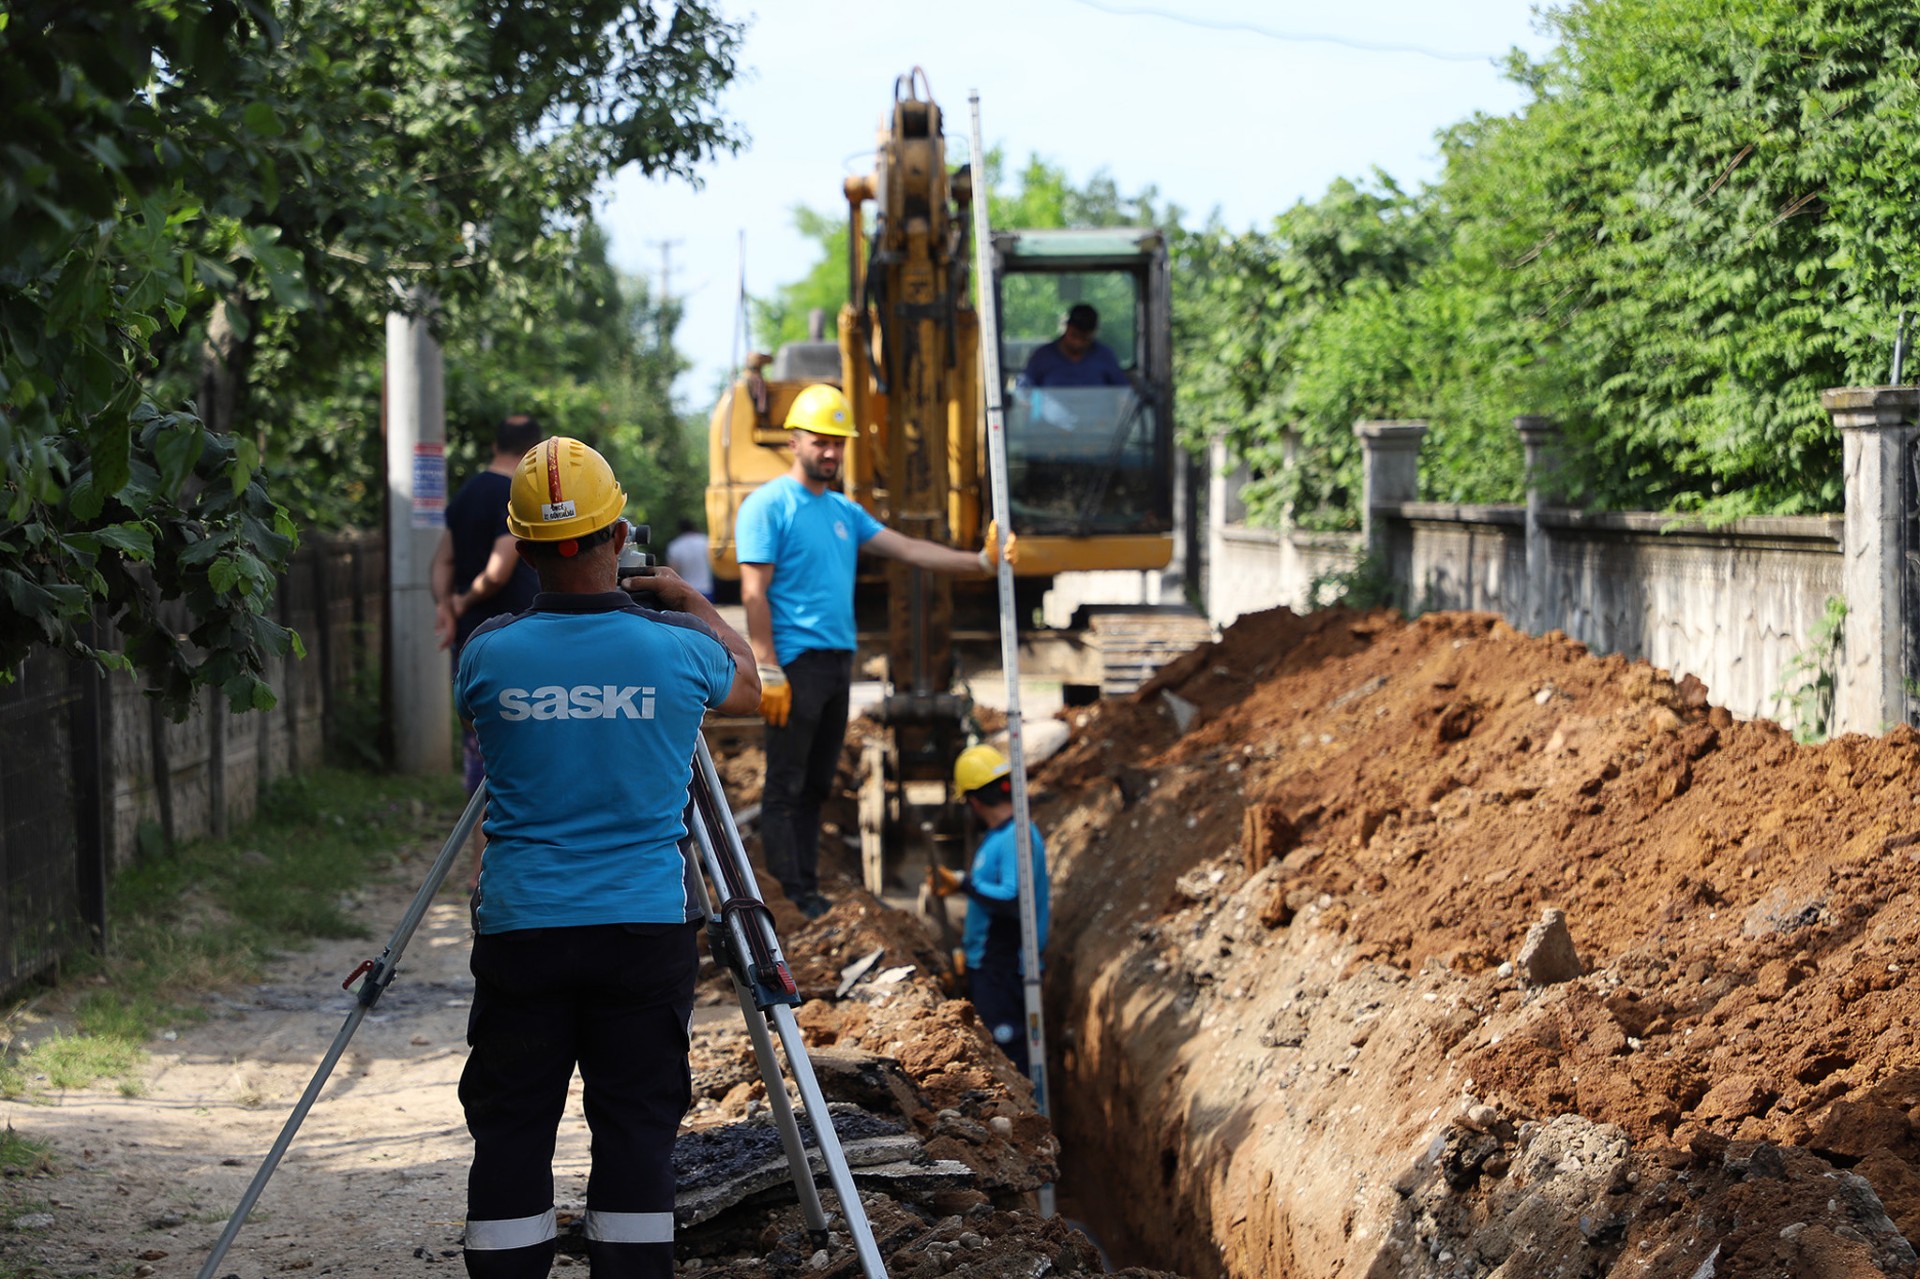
(1309, 992)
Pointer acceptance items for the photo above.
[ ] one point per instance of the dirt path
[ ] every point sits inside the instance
(374, 1182)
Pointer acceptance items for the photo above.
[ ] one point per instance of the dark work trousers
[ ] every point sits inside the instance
(615, 999)
(1000, 997)
(801, 759)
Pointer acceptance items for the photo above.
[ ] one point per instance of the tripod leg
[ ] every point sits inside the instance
(829, 1141)
(790, 1140)
(379, 973)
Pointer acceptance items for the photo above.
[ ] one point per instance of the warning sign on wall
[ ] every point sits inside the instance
(429, 485)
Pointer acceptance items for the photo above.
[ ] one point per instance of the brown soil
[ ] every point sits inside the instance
(1285, 994)
(1292, 1029)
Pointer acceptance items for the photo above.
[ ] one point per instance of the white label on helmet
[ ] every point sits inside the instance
(557, 510)
(583, 701)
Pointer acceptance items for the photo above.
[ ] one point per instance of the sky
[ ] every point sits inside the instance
(1240, 106)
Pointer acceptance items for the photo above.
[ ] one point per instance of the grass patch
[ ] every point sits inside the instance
(214, 912)
(20, 1155)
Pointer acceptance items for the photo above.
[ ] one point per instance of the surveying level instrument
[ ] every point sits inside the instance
(740, 934)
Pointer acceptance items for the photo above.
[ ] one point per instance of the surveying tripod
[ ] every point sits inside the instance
(741, 937)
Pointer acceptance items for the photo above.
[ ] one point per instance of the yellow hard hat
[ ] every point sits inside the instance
(979, 766)
(823, 410)
(562, 491)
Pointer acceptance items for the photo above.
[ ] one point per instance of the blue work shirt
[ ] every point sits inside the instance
(813, 542)
(992, 933)
(1047, 367)
(587, 708)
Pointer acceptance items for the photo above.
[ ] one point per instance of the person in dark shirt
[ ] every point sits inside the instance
(477, 573)
(1075, 358)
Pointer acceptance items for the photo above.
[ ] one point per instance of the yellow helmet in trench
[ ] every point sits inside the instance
(979, 766)
(562, 491)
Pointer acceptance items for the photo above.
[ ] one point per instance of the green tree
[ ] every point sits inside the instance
(1042, 197)
(1705, 216)
(210, 203)
(594, 358)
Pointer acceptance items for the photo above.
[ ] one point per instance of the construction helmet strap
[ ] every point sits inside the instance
(574, 545)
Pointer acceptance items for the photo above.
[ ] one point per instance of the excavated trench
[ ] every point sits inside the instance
(1309, 1012)
(1430, 948)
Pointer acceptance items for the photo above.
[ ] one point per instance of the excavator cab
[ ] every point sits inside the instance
(1090, 461)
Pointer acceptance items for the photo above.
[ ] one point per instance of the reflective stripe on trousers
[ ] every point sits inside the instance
(629, 1227)
(517, 1232)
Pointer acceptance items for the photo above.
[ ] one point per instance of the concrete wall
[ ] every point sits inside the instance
(204, 775)
(1736, 605)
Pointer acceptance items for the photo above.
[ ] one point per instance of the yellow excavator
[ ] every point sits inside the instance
(1091, 469)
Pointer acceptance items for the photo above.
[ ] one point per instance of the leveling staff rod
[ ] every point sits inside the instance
(988, 307)
(743, 941)
(379, 975)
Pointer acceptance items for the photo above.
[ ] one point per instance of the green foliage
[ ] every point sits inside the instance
(1706, 215)
(1368, 584)
(213, 913)
(591, 355)
(1042, 197)
(208, 205)
(1810, 677)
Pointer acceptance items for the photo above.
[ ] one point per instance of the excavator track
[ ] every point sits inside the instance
(1133, 643)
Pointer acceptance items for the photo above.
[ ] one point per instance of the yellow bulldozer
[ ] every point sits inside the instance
(1091, 469)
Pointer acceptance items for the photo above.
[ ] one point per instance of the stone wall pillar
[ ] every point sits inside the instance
(1390, 470)
(1540, 437)
(1876, 661)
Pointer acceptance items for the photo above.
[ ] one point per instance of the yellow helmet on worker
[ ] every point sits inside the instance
(823, 410)
(563, 492)
(979, 766)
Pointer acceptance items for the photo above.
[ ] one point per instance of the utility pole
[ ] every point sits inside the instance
(418, 685)
(666, 248)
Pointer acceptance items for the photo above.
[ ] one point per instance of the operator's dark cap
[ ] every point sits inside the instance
(1083, 317)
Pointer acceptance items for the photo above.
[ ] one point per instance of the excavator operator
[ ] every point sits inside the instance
(1075, 358)
(585, 953)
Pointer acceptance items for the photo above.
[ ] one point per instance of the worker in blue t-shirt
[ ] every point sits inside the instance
(983, 777)
(797, 539)
(587, 708)
(1075, 358)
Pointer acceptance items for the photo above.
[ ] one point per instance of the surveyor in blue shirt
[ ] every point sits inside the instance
(1075, 358)
(984, 779)
(798, 539)
(587, 708)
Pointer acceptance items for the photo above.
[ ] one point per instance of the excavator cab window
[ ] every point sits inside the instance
(1085, 451)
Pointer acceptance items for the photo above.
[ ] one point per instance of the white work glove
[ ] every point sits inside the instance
(776, 695)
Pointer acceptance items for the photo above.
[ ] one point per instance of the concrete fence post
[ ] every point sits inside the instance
(1390, 472)
(1540, 438)
(1876, 660)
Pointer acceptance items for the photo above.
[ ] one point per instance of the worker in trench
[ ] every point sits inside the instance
(984, 779)
(588, 709)
(798, 539)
